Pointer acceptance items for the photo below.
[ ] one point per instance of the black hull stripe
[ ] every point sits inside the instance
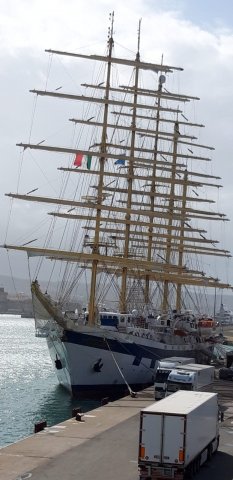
(116, 346)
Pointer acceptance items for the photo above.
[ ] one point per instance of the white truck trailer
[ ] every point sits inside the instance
(205, 373)
(164, 367)
(189, 377)
(172, 440)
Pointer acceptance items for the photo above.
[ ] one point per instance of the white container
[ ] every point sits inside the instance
(205, 373)
(174, 431)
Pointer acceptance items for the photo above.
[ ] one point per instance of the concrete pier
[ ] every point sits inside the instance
(102, 441)
(104, 445)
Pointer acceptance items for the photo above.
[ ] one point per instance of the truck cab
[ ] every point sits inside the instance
(162, 372)
(181, 380)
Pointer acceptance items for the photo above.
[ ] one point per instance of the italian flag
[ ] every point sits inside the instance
(79, 158)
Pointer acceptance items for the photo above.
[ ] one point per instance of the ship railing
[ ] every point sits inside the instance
(122, 328)
(140, 321)
(162, 328)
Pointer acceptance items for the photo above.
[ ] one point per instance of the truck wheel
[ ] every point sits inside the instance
(189, 472)
(198, 461)
(195, 467)
(210, 452)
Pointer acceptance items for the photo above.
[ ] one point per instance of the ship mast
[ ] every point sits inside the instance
(123, 306)
(181, 241)
(95, 247)
(153, 187)
(165, 302)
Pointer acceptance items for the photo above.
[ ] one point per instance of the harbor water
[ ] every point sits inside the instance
(29, 391)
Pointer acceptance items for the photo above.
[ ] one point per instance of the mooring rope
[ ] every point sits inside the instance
(132, 393)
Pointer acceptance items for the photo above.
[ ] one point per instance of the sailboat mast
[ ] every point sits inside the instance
(181, 243)
(153, 188)
(165, 302)
(91, 308)
(123, 292)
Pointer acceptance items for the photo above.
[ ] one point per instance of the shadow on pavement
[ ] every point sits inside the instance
(220, 467)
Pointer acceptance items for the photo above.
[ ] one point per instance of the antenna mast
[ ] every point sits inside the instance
(139, 39)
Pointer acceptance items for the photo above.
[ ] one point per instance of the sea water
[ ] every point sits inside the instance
(29, 390)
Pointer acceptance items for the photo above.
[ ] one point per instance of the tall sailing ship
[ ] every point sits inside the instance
(129, 229)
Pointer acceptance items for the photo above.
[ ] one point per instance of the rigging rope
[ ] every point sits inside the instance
(12, 277)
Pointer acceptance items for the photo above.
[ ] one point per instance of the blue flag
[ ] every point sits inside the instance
(120, 162)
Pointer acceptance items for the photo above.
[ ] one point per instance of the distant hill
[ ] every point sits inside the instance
(22, 285)
(15, 286)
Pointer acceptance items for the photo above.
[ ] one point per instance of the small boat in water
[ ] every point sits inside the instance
(224, 316)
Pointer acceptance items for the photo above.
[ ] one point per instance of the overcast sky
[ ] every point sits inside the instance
(194, 34)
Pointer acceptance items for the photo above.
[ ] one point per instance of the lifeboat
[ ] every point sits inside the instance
(180, 332)
(206, 323)
(206, 326)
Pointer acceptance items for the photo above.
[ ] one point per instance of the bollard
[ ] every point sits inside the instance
(105, 401)
(38, 427)
(75, 411)
(79, 417)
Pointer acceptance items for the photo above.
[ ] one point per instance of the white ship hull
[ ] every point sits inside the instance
(78, 355)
